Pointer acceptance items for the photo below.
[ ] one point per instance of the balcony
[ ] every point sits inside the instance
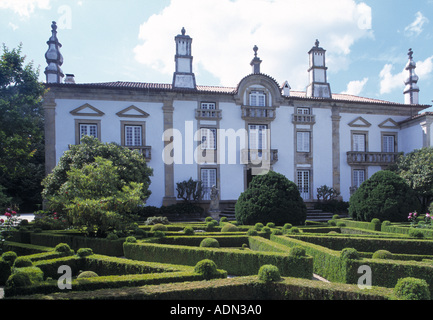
(257, 157)
(145, 150)
(372, 158)
(258, 113)
(208, 114)
(303, 118)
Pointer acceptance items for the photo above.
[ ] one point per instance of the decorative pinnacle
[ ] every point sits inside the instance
(317, 43)
(255, 51)
(183, 31)
(54, 26)
(410, 54)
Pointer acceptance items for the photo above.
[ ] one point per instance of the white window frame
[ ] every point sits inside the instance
(91, 129)
(257, 136)
(388, 143)
(303, 139)
(303, 110)
(358, 177)
(208, 178)
(133, 135)
(257, 98)
(304, 182)
(208, 138)
(359, 142)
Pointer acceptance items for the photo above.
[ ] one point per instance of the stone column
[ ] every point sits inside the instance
(49, 106)
(169, 197)
(336, 148)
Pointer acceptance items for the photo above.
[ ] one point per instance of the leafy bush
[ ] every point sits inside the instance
(19, 279)
(9, 257)
(156, 220)
(87, 274)
(188, 230)
(297, 251)
(131, 239)
(229, 227)
(349, 253)
(84, 252)
(269, 273)
(207, 268)
(271, 197)
(412, 289)
(382, 254)
(416, 233)
(64, 249)
(384, 196)
(209, 243)
(158, 227)
(22, 262)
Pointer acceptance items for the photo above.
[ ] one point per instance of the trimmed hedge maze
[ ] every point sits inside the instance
(152, 265)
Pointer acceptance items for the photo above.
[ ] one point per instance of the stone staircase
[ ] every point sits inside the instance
(229, 212)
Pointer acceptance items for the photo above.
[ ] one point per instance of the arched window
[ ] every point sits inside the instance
(257, 99)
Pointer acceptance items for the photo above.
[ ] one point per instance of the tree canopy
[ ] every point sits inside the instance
(21, 128)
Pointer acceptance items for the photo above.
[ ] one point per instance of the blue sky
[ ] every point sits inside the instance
(133, 40)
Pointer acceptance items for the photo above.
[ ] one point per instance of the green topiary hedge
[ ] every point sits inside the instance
(271, 197)
(385, 196)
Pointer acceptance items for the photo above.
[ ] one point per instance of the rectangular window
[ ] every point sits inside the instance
(208, 105)
(208, 179)
(303, 141)
(208, 138)
(358, 177)
(358, 142)
(89, 130)
(257, 99)
(133, 136)
(304, 183)
(303, 110)
(388, 143)
(257, 136)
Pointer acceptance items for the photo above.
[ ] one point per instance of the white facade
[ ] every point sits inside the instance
(225, 136)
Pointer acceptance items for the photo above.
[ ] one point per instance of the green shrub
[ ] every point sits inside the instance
(159, 234)
(84, 252)
(188, 230)
(19, 279)
(87, 274)
(112, 236)
(287, 226)
(5, 271)
(209, 243)
(332, 223)
(416, 233)
(156, 220)
(208, 219)
(131, 239)
(258, 226)
(22, 262)
(229, 227)
(340, 224)
(211, 224)
(252, 232)
(64, 249)
(271, 197)
(294, 230)
(385, 196)
(269, 273)
(158, 227)
(335, 217)
(349, 253)
(277, 232)
(223, 220)
(207, 268)
(9, 257)
(270, 225)
(382, 254)
(297, 251)
(412, 289)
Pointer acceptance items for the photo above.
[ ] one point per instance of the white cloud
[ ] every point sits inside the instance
(416, 27)
(24, 7)
(225, 31)
(355, 87)
(390, 81)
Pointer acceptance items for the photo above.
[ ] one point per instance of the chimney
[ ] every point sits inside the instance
(70, 78)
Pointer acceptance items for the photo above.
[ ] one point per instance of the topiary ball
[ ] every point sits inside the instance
(188, 230)
(229, 227)
(84, 252)
(269, 273)
(382, 254)
(209, 243)
(22, 262)
(87, 274)
(159, 227)
(349, 253)
(412, 289)
(297, 252)
(64, 249)
(207, 268)
(20, 279)
(9, 257)
(271, 197)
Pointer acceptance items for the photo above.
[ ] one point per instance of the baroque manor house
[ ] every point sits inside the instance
(224, 136)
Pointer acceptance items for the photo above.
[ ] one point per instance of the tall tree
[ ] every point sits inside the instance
(416, 168)
(21, 129)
